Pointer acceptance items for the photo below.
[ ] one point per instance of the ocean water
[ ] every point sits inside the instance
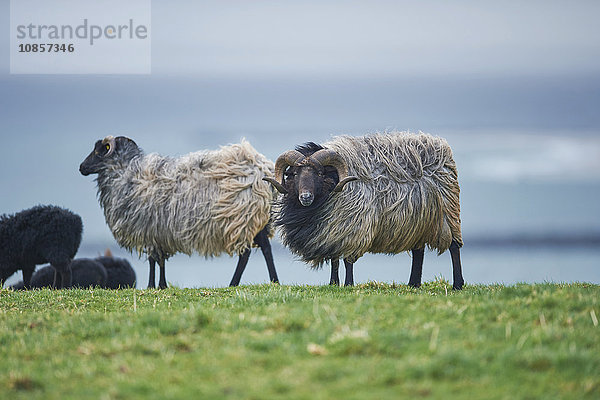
(527, 150)
(480, 265)
(485, 265)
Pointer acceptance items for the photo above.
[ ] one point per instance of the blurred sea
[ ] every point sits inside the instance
(527, 149)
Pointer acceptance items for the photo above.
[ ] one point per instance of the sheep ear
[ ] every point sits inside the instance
(124, 140)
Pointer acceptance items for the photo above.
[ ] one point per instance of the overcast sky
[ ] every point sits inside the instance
(369, 37)
(388, 37)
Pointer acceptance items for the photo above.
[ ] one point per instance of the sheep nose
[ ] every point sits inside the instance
(306, 198)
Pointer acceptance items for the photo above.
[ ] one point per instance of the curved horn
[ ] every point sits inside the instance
(289, 158)
(332, 157)
(277, 185)
(110, 140)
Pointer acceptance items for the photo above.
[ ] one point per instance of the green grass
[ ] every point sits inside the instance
(269, 341)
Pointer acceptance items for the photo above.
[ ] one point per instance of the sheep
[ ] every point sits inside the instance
(120, 273)
(105, 271)
(20, 285)
(37, 235)
(209, 202)
(405, 197)
(85, 273)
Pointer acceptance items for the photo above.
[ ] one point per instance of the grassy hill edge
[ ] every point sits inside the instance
(269, 341)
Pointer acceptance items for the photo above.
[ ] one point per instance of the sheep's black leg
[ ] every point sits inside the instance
(152, 262)
(335, 267)
(67, 278)
(241, 266)
(456, 267)
(162, 282)
(61, 262)
(27, 274)
(64, 272)
(416, 271)
(262, 240)
(55, 281)
(349, 273)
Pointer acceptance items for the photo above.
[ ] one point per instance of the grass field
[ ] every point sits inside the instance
(269, 341)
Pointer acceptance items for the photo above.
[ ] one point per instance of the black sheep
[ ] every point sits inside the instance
(18, 286)
(85, 272)
(38, 235)
(119, 272)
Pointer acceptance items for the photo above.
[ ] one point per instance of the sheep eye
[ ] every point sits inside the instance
(107, 146)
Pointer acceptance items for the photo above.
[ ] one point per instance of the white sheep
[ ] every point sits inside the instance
(207, 202)
(382, 193)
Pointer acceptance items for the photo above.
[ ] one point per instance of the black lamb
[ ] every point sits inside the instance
(119, 272)
(85, 273)
(38, 235)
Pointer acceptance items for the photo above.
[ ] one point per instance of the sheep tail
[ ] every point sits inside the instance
(239, 177)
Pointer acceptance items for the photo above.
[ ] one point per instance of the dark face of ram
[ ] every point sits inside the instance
(309, 176)
(105, 150)
(308, 183)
